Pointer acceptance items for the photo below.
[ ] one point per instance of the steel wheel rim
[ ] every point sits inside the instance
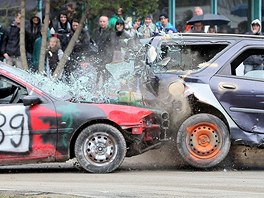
(204, 140)
(100, 148)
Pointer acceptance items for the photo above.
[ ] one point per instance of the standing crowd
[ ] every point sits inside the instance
(103, 44)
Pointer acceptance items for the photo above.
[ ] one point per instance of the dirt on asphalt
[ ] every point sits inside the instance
(19, 194)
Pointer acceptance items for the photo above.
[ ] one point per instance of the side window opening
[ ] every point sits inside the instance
(10, 92)
(249, 64)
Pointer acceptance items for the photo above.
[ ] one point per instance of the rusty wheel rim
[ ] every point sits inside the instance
(204, 140)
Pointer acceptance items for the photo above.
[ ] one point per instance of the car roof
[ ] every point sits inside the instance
(209, 37)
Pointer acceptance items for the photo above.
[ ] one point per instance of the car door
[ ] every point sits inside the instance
(242, 94)
(27, 133)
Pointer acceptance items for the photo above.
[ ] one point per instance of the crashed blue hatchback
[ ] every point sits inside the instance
(212, 86)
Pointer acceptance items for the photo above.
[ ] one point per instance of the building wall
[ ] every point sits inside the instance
(240, 20)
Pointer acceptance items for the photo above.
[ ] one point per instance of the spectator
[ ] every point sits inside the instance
(148, 29)
(128, 23)
(51, 27)
(71, 11)
(10, 47)
(118, 40)
(164, 26)
(133, 31)
(82, 44)
(212, 29)
(63, 29)
(102, 37)
(115, 17)
(54, 54)
(255, 27)
(33, 31)
(242, 27)
(236, 31)
(197, 28)
(197, 11)
(80, 50)
(187, 15)
(254, 62)
(225, 29)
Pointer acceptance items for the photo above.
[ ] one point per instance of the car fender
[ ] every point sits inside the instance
(126, 117)
(204, 94)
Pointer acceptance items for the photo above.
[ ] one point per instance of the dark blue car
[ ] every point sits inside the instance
(212, 85)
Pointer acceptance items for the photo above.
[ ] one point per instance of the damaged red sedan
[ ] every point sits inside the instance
(37, 127)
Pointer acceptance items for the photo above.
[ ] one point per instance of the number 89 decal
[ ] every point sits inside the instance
(14, 133)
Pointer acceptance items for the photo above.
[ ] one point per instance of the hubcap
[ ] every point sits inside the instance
(204, 141)
(100, 148)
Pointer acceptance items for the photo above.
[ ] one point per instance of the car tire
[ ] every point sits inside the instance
(100, 148)
(203, 140)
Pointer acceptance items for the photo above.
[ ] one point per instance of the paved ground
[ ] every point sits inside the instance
(154, 174)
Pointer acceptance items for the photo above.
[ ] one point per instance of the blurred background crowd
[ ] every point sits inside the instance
(109, 27)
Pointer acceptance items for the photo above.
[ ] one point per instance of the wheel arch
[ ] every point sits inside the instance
(198, 107)
(89, 123)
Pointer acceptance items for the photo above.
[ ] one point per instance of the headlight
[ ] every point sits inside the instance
(176, 88)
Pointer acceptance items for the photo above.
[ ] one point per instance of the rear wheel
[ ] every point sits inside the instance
(100, 148)
(203, 140)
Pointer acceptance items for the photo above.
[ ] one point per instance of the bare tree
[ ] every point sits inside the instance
(22, 36)
(70, 46)
(44, 33)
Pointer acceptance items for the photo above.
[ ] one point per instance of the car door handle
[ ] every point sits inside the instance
(228, 86)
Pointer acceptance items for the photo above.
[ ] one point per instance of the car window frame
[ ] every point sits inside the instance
(226, 70)
(192, 41)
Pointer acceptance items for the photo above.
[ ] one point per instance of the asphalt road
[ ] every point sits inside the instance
(153, 174)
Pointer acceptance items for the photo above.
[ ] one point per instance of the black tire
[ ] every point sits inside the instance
(100, 148)
(203, 140)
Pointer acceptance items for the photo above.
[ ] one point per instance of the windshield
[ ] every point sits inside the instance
(55, 88)
(185, 56)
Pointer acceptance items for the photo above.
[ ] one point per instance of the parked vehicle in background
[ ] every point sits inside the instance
(213, 102)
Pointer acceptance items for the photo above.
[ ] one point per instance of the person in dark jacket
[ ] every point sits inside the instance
(10, 46)
(119, 39)
(80, 50)
(63, 29)
(33, 31)
(254, 62)
(54, 55)
(82, 44)
(102, 38)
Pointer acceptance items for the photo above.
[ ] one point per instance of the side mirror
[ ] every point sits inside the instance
(31, 100)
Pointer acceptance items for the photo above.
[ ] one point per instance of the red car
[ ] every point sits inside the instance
(37, 127)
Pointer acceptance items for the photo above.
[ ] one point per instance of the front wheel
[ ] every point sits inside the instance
(100, 148)
(203, 140)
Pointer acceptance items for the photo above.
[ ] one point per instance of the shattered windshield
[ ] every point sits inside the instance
(84, 87)
(55, 88)
(185, 56)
